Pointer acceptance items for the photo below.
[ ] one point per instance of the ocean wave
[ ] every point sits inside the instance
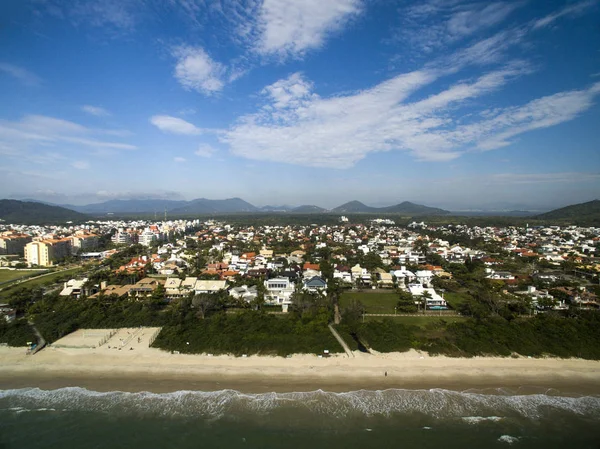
(469, 407)
(480, 419)
(508, 439)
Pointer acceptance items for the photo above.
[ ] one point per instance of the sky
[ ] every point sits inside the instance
(457, 104)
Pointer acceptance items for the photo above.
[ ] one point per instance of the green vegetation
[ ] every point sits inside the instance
(422, 321)
(46, 280)
(542, 335)
(249, 332)
(10, 275)
(583, 213)
(56, 317)
(13, 211)
(373, 301)
(17, 333)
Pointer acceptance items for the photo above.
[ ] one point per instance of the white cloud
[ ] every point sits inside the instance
(174, 125)
(195, 70)
(571, 10)
(23, 75)
(205, 150)
(434, 24)
(179, 159)
(298, 126)
(291, 27)
(31, 137)
(80, 165)
(95, 110)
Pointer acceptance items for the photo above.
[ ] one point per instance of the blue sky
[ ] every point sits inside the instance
(450, 103)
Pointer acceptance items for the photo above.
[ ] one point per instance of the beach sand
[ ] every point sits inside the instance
(149, 369)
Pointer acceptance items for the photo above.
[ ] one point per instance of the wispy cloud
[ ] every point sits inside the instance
(95, 110)
(23, 75)
(31, 137)
(113, 17)
(80, 165)
(205, 150)
(298, 126)
(196, 70)
(174, 125)
(571, 10)
(434, 24)
(290, 28)
(179, 159)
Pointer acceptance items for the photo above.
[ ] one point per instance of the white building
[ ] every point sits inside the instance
(279, 291)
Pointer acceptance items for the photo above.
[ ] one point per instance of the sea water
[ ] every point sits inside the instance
(394, 418)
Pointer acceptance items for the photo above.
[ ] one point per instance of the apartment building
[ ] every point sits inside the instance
(48, 252)
(82, 242)
(13, 243)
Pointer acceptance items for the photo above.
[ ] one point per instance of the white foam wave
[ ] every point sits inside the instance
(480, 419)
(470, 407)
(508, 439)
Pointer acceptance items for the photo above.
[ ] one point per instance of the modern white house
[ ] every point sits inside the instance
(279, 291)
(73, 288)
(434, 301)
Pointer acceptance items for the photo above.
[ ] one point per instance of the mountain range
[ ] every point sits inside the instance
(13, 211)
(238, 205)
(32, 211)
(583, 212)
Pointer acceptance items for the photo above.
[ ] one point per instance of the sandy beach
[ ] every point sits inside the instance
(149, 369)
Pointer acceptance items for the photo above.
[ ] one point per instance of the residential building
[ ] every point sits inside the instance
(279, 290)
(46, 253)
(209, 286)
(13, 243)
(82, 242)
(315, 284)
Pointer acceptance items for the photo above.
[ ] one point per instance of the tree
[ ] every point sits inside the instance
(406, 302)
(205, 303)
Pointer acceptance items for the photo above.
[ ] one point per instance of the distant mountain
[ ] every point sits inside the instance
(24, 212)
(406, 208)
(588, 212)
(409, 208)
(308, 209)
(269, 208)
(354, 207)
(205, 206)
(128, 206)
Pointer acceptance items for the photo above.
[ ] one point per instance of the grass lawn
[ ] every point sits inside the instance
(374, 301)
(455, 299)
(49, 279)
(9, 275)
(419, 320)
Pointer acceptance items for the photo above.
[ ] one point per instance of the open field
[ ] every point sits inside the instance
(375, 301)
(50, 278)
(454, 299)
(9, 275)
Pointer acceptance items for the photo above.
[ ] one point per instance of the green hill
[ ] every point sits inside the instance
(577, 213)
(23, 212)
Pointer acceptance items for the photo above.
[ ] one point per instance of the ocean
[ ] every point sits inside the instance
(75, 417)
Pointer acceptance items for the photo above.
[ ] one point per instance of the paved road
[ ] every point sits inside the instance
(341, 341)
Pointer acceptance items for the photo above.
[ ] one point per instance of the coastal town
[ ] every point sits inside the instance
(543, 269)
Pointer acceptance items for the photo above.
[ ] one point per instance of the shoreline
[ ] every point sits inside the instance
(158, 371)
